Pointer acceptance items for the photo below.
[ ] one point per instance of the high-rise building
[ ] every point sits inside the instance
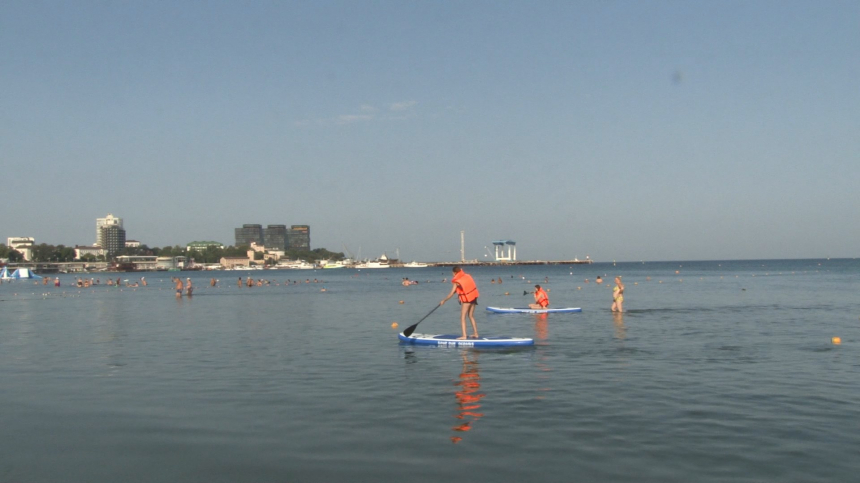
(249, 234)
(112, 238)
(109, 220)
(275, 237)
(300, 237)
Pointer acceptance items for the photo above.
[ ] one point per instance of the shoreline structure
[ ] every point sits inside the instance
(91, 267)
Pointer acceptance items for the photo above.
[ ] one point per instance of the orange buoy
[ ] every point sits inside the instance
(401, 301)
(836, 340)
(394, 325)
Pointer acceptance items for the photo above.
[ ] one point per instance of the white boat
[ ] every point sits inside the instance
(381, 262)
(414, 264)
(296, 265)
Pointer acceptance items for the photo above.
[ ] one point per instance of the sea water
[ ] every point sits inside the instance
(717, 371)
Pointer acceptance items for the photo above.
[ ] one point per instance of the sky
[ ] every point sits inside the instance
(618, 130)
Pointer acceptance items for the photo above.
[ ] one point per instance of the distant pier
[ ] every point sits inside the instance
(478, 263)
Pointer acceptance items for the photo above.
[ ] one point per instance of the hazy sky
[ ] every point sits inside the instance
(623, 130)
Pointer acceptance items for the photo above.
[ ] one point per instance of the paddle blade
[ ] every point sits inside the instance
(409, 330)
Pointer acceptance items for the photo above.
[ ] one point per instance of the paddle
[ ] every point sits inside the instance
(409, 330)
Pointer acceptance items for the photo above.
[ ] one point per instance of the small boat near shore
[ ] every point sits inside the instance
(381, 262)
(329, 264)
(295, 265)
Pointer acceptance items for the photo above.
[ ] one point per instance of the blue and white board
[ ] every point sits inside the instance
(450, 340)
(528, 310)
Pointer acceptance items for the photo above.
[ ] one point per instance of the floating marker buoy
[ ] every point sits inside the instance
(394, 325)
(836, 340)
(507, 293)
(579, 288)
(401, 301)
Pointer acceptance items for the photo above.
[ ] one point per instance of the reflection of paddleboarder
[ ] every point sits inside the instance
(468, 399)
(467, 291)
(541, 326)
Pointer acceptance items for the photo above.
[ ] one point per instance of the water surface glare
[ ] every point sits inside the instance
(721, 371)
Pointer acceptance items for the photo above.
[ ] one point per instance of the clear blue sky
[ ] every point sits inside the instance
(623, 130)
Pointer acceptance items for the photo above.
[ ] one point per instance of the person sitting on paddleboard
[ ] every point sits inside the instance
(541, 299)
(467, 291)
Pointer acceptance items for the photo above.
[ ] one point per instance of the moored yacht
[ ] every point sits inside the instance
(381, 262)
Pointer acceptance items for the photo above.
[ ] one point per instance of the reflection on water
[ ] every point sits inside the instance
(541, 326)
(467, 395)
(618, 321)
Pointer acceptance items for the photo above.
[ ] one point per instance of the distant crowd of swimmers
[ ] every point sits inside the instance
(93, 282)
(249, 282)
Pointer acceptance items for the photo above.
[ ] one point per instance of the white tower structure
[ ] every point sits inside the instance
(462, 246)
(500, 245)
(109, 220)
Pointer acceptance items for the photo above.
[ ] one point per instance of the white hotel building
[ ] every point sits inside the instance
(109, 220)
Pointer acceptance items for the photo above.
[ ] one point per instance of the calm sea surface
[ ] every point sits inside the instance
(719, 371)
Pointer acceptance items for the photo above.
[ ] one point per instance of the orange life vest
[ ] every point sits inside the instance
(465, 285)
(541, 298)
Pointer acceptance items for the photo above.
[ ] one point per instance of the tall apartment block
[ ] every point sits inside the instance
(249, 234)
(109, 220)
(275, 237)
(300, 237)
(112, 238)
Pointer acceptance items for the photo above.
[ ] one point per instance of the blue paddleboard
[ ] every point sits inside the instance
(450, 340)
(527, 310)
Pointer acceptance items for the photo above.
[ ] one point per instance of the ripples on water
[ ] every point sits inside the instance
(722, 371)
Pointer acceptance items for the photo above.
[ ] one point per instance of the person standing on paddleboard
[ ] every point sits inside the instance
(541, 299)
(467, 292)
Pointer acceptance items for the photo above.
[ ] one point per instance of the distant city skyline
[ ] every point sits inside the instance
(630, 131)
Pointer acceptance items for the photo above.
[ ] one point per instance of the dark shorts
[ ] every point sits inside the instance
(474, 302)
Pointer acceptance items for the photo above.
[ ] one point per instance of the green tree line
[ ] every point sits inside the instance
(61, 253)
(10, 253)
